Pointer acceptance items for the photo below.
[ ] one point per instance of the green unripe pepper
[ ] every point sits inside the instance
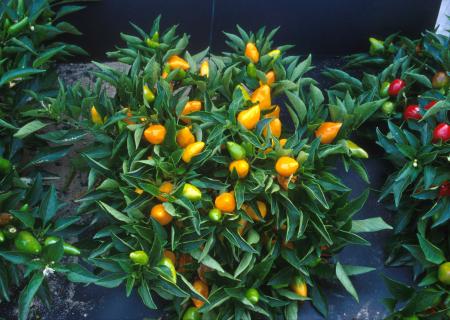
(152, 43)
(24, 208)
(68, 248)
(155, 36)
(376, 46)
(384, 89)
(251, 70)
(26, 242)
(236, 151)
(18, 27)
(191, 192)
(149, 96)
(139, 257)
(388, 108)
(2, 237)
(215, 215)
(166, 262)
(5, 166)
(355, 150)
(192, 313)
(252, 295)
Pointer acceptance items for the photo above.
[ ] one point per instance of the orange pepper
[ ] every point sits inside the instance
(225, 202)
(262, 96)
(185, 137)
(241, 166)
(286, 166)
(275, 127)
(249, 117)
(155, 133)
(328, 131)
(270, 78)
(202, 288)
(165, 187)
(251, 52)
(299, 287)
(175, 62)
(189, 107)
(160, 214)
(192, 150)
(252, 214)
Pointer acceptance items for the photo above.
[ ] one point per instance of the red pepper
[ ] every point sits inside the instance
(444, 190)
(412, 112)
(430, 105)
(441, 132)
(395, 87)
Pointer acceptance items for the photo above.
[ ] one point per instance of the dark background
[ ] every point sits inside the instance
(324, 27)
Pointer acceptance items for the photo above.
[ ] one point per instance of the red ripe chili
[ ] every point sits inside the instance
(441, 132)
(444, 190)
(430, 105)
(412, 112)
(395, 87)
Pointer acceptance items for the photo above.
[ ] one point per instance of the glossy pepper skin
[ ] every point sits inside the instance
(160, 214)
(185, 137)
(204, 69)
(25, 242)
(202, 288)
(249, 118)
(190, 107)
(191, 192)
(252, 52)
(165, 188)
(412, 112)
(236, 151)
(355, 150)
(215, 215)
(176, 62)
(251, 70)
(275, 128)
(430, 105)
(95, 116)
(139, 257)
(270, 78)
(441, 132)
(262, 208)
(166, 262)
(191, 313)
(155, 133)
(328, 131)
(252, 295)
(275, 54)
(396, 86)
(68, 248)
(286, 166)
(262, 96)
(192, 150)
(149, 96)
(384, 90)
(388, 108)
(440, 80)
(444, 273)
(299, 286)
(5, 166)
(225, 202)
(241, 167)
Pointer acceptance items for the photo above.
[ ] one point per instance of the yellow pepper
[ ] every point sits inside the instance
(192, 150)
(185, 137)
(175, 62)
(96, 117)
(252, 52)
(262, 96)
(275, 127)
(249, 118)
(204, 69)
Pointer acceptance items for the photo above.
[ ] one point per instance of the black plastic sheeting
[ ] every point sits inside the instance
(318, 27)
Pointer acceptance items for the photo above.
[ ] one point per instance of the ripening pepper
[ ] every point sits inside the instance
(26, 242)
(152, 43)
(202, 288)
(430, 105)
(215, 215)
(236, 151)
(139, 257)
(252, 52)
(286, 166)
(95, 116)
(5, 166)
(441, 132)
(166, 71)
(249, 118)
(355, 150)
(204, 68)
(262, 208)
(166, 262)
(412, 112)
(440, 80)
(275, 128)
(191, 192)
(299, 286)
(275, 54)
(388, 108)
(159, 213)
(176, 62)
(252, 295)
(241, 167)
(149, 96)
(270, 78)
(384, 89)
(225, 202)
(68, 248)
(396, 86)
(328, 131)
(165, 188)
(275, 113)
(189, 107)
(185, 137)
(155, 133)
(251, 70)
(262, 96)
(192, 313)
(192, 150)
(244, 91)
(444, 273)
(376, 46)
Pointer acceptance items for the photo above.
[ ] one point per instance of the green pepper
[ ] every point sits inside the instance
(26, 242)
(252, 295)
(191, 192)
(236, 151)
(355, 150)
(251, 70)
(384, 89)
(155, 36)
(166, 262)
(181, 74)
(388, 108)
(191, 313)
(149, 96)
(139, 257)
(5, 166)
(2, 236)
(376, 46)
(215, 215)
(68, 248)
(152, 43)
(18, 27)
(24, 208)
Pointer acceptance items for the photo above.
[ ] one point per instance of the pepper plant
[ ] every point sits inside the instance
(207, 198)
(413, 78)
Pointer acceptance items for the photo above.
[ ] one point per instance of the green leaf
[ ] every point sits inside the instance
(144, 293)
(344, 279)
(115, 213)
(18, 73)
(369, 225)
(29, 128)
(432, 253)
(28, 293)
(47, 55)
(49, 205)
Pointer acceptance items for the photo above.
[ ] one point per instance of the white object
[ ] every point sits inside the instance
(443, 22)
